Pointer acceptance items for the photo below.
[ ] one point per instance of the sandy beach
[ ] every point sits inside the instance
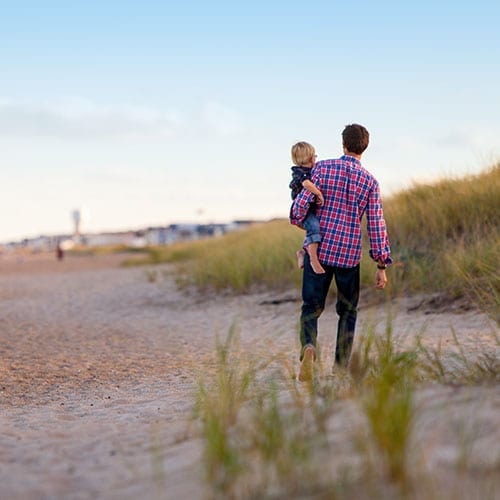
(99, 365)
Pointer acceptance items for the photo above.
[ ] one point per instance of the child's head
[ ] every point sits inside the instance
(303, 154)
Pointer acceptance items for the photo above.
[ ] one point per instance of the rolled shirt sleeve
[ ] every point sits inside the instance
(377, 231)
(300, 207)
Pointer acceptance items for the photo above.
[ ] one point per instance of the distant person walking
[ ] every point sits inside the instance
(59, 252)
(349, 192)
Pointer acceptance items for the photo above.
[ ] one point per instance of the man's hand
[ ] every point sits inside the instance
(320, 200)
(380, 279)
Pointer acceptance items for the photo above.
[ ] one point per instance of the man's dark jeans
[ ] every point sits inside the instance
(314, 292)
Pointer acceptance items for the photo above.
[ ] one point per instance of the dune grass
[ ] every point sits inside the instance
(260, 256)
(219, 403)
(266, 436)
(446, 237)
(425, 216)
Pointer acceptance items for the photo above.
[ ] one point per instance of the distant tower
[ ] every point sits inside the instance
(77, 221)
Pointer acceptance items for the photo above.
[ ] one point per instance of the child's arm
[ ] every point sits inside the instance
(310, 186)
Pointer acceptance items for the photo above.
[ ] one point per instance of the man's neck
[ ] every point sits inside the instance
(348, 153)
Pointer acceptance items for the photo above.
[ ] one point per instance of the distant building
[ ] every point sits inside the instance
(164, 235)
(125, 238)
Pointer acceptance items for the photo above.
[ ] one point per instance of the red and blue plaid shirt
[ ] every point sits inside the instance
(350, 191)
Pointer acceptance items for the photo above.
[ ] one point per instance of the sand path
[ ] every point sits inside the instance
(98, 367)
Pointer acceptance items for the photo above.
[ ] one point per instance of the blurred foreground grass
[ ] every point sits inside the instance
(358, 433)
(445, 237)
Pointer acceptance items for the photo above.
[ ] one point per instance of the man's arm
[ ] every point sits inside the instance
(380, 250)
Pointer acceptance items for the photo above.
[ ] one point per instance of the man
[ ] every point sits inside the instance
(349, 192)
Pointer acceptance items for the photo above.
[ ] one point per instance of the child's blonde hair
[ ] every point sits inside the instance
(302, 153)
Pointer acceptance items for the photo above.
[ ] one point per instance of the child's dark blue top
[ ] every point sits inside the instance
(299, 175)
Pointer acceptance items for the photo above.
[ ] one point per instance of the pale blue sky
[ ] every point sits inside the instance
(148, 113)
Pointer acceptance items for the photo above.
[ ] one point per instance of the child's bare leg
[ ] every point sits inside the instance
(312, 248)
(300, 258)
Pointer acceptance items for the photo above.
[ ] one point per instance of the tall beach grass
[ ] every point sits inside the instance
(445, 237)
(350, 435)
(261, 256)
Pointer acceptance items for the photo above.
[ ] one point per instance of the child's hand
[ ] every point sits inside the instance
(320, 200)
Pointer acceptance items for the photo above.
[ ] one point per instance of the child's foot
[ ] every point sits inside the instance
(317, 267)
(300, 258)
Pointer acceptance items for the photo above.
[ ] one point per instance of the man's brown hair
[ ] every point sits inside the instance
(355, 138)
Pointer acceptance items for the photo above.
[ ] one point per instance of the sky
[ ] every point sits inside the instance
(150, 113)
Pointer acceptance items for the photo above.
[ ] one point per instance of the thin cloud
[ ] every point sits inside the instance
(472, 137)
(220, 119)
(78, 118)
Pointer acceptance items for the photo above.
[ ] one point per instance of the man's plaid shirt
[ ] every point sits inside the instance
(350, 191)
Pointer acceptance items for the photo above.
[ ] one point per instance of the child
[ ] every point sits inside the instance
(303, 156)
